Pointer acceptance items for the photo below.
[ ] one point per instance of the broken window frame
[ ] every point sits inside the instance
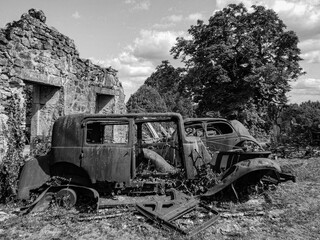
(102, 138)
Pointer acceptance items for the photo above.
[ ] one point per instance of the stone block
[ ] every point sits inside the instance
(25, 55)
(3, 62)
(3, 40)
(47, 46)
(25, 42)
(19, 47)
(28, 64)
(19, 32)
(4, 77)
(18, 62)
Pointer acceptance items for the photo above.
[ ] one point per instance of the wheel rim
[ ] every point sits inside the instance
(66, 197)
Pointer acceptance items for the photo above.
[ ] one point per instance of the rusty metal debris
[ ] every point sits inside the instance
(64, 195)
(166, 212)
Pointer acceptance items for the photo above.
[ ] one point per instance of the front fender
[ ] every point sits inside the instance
(241, 169)
(35, 172)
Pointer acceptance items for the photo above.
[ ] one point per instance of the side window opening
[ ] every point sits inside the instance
(218, 128)
(107, 132)
(195, 130)
(159, 136)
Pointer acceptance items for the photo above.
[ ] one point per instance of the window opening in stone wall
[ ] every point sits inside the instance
(42, 109)
(104, 103)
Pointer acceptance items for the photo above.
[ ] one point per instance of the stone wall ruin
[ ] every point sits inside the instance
(40, 69)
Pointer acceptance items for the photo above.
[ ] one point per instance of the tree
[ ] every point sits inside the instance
(300, 123)
(239, 59)
(166, 80)
(146, 99)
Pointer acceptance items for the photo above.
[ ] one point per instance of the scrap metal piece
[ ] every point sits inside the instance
(154, 218)
(46, 197)
(66, 197)
(166, 212)
(241, 169)
(206, 224)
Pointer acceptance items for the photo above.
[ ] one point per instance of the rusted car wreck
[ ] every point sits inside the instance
(138, 154)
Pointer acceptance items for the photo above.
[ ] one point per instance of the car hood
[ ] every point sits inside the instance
(242, 131)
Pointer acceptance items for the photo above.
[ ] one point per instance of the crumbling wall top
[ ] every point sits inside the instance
(37, 14)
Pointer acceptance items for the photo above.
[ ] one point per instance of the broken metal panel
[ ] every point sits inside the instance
(164, 223)
(166, 212)
(224, 160)
(196, 155)
(241, 169)
(242, 131)
(34, 173)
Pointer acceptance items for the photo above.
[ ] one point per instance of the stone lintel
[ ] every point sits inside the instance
(106, 91)
(40, 78)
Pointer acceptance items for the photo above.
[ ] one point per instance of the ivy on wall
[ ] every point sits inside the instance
(13, 160)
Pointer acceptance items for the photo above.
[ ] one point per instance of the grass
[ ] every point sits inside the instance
(292, 211)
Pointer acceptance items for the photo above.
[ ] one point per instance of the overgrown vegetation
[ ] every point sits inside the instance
(300, 124)
(160, 93)
(291, 211)
(13, 160)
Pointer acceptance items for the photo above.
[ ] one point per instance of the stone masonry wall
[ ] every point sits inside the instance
(63, 83)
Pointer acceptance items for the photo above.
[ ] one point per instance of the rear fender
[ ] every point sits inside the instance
(35, 172)
(241, 169)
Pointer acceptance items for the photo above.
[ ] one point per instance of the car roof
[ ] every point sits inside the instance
(190, 121)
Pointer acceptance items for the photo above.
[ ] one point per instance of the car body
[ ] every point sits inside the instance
(133, 153)
(219, 134)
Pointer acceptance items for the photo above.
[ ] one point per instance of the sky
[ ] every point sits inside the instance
(134, 36)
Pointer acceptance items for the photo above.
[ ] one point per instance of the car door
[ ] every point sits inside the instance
(108, 149)
(220, 136)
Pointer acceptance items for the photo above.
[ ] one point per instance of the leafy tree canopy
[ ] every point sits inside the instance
(305, 114)
(300, 124)
(166, 80)
(146, 99)
(239, 58)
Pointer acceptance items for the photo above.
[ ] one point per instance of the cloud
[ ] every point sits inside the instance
(132, 72)
(304, 90)
(154, 45)
(168, 22)
(76, 15)
(309, 84)
(139, 4)
(195, 17)
(173, 18)
(311, 50)
(163, 25)
(302, 16)
(312, 56)
(138, 61)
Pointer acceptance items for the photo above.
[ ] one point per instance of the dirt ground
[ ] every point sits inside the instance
(291, 211)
